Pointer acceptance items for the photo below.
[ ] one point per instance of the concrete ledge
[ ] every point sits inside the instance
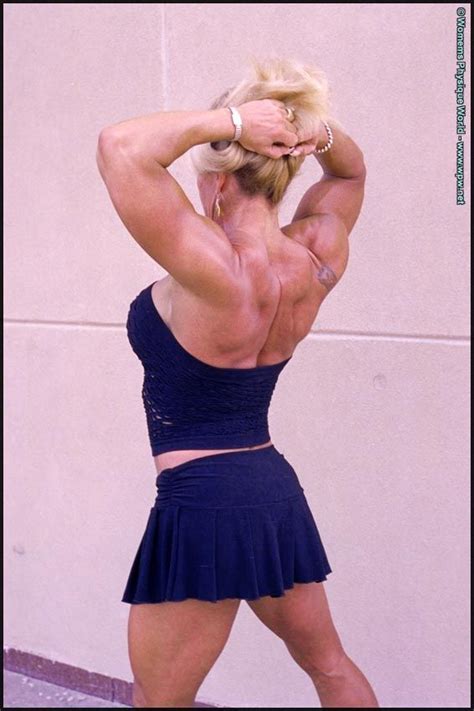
(75, 678)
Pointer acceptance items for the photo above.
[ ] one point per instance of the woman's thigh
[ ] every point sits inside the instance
(173, 645)
(302, 619)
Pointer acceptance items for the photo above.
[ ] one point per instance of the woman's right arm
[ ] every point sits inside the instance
(329, 209)
(340, 191)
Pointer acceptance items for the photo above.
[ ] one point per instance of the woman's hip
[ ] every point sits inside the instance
(229, 479)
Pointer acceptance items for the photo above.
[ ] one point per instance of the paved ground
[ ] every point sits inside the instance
(24, 692)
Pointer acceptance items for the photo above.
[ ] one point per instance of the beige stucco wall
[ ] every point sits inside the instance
(373, 409)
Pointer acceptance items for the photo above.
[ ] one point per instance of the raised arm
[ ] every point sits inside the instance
(133, 157)
(340, 191)
(329, 209)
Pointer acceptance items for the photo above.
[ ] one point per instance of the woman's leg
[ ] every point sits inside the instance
(302, 619)
(172, 647)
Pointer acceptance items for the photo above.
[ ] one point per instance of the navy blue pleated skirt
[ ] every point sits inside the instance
(227, 525)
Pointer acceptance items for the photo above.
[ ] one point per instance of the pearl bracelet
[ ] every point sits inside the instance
(330, 141)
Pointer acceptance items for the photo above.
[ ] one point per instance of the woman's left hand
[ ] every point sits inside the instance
(266, 128)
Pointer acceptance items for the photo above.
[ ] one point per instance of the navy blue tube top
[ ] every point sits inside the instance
(190, 404)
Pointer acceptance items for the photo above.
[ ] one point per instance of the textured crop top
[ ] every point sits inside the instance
(190, 404)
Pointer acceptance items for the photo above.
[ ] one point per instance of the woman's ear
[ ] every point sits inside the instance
(221, 180)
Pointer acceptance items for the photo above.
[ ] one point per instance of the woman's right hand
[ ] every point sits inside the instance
(307, 141)
(266, 128)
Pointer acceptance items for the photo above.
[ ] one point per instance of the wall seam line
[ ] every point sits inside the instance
(313, 335)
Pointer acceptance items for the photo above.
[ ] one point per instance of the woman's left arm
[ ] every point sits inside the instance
(133, 157)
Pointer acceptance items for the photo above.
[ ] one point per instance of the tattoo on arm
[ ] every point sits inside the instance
(327, 277)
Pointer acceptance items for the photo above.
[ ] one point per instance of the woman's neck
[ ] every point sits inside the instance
(251, 221)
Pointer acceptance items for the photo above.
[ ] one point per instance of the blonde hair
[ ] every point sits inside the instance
(304, 89)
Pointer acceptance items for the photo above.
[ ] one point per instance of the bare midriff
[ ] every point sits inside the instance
(172, 459)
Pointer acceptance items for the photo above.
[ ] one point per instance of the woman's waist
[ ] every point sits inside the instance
(235, 478)
(167, 460)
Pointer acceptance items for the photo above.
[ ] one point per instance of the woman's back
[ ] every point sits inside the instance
(274, 309)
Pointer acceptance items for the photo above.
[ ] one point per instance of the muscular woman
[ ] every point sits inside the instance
(230, 521)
